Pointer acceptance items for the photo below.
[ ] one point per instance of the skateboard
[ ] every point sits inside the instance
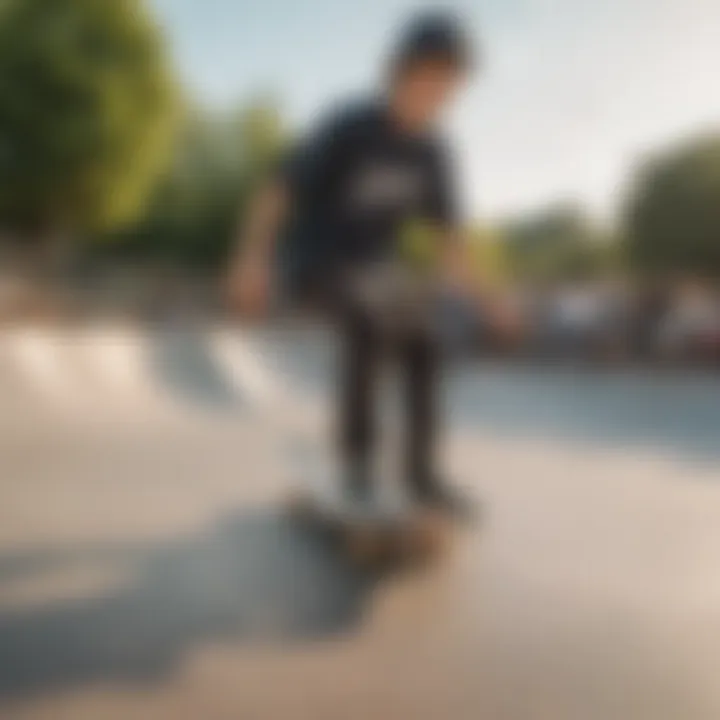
(381, 535)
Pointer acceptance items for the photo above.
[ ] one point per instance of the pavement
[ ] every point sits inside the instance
(147, 570)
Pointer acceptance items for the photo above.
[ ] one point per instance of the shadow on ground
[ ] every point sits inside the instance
(181, 361)
(258, 577)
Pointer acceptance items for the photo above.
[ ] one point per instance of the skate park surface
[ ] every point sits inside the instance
(147, 569)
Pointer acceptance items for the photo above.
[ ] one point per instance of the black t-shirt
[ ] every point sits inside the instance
(353, 185)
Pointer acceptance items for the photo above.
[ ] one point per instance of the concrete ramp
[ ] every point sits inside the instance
(114, 373)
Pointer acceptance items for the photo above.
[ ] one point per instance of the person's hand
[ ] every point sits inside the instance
(249, 289)
(504, 319)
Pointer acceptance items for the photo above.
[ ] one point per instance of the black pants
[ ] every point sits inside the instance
(365, 346)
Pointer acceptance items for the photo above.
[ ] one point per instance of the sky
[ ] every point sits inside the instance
(573, 94)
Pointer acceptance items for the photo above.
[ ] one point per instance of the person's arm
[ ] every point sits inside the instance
(265, 217)
(457, 266)
(304, 171)
(461, 273)
(249, 282)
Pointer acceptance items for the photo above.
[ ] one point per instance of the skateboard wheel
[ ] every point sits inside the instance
(423, 538)
(364, 545)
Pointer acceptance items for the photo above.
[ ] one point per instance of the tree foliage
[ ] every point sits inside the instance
(489, 254)
(87, 109)
(559, 243)
(672, 221)
(218, 162)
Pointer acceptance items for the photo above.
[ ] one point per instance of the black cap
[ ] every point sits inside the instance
(434, 35)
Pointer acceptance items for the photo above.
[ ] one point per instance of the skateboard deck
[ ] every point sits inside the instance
(386, 532)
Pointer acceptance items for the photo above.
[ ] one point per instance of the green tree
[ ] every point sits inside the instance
(218, 162)
(87, 111)
(558, 243)
(672, 219)
(489, 253)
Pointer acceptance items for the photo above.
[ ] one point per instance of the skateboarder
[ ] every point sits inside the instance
(336, 208)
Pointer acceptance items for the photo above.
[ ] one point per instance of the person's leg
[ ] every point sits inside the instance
(360, 355)
(426, 484)
(420, 361)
